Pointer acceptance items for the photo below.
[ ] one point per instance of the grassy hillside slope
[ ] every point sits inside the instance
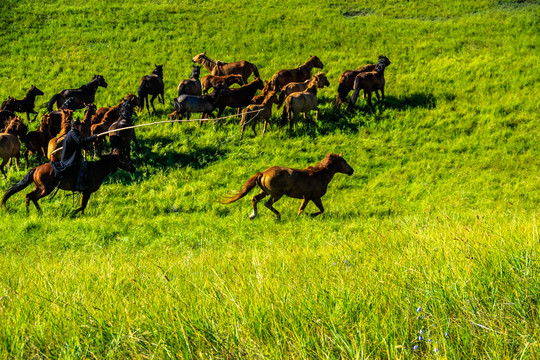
(429, 249)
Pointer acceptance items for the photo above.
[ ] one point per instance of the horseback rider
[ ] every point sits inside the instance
(72, 159)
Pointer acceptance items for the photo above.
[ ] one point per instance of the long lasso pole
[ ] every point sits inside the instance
(160, 122)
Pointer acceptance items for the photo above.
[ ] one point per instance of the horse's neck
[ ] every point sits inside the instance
(326, 174)
(208, 63)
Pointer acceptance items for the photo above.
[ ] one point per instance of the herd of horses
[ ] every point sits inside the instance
(294, 89)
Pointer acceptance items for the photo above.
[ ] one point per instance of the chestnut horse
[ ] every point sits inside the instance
(319, 79)
(299, 102)
(9, 142)
(81, 97)
(26, 105)
(56, 142)
(346, 80)
(301, 73)
(152, 85)
(221, 68)
(308, 184)
(255, 113)
(210, 81)
(87, 183)
(370, 81)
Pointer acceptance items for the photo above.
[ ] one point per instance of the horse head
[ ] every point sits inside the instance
(100, 80)
(195, 72)
(316, 62)
(383, 59)
(158, 71)
(35, 91)
(321, 80)
(340, 164)
(17, 127)
(134, 100)
(258, 83)
(198, 58)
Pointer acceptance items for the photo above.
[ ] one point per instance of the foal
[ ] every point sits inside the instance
(26, 105)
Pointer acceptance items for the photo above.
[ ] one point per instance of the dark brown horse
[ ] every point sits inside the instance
(220, 68)
(210, 81)
(152, 85)
(81, 97)
(121, 140)
(9, 142)
(191, 86)
(45, 182)
(308, 184)
(346, 80)
(370, 81)
(37, 141)
(239, 97)
(300, 74)
(26, 105)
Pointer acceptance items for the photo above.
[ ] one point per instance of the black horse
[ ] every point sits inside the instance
(80, 97)
(152, 85)
(26, 105)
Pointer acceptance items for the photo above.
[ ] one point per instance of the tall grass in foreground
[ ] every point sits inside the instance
(429, 250)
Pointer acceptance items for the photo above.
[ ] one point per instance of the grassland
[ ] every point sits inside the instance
(436, 231)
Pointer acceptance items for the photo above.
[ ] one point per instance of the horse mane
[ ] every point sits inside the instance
(324, 164)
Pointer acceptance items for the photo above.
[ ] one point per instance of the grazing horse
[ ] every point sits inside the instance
(210, 81)
(221, 68)
(205, 104)
(239, 97)
(319, 79)
(26, 105)
(152, 85)
(191, 86)
(301, 73)
(37, 141)
(9, 142)
(254, 113)
(346, 80)
(81, 96)
(370, 81)
(308, 184)
(299, 102)
(87, 183)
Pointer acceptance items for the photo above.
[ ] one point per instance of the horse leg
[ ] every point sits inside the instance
(318, 203)
(84, 202)
(369, 98)
(162, 98)
(2, 168)
(25, 154)
(265, 125)
(303, 206)
(254, 201)
(152, 103)
(37, 194)
(270, 202)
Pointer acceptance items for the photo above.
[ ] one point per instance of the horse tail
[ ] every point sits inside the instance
(341, 94)
(26, 180)
(142, 92)
(250, 184)
(51, 102)
(357, 88)
(281, 99)
(273, 83)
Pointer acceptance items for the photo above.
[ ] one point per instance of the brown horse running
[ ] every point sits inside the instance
(308, 184)
(9, 142)
(152, 85)
(346, 80)
(301, 73)
(26, 105)
(80, 97)
(370, 81)
(220, 68)
(45, 182)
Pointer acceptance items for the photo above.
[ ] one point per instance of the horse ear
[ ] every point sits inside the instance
(204, 53)
(340, 154)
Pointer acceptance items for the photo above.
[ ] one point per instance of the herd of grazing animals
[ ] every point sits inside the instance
(294, 89)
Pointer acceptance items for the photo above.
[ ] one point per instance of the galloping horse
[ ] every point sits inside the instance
(221, 68)
(191, 86)
(319, 79)
(299, 102)
(152, 85)
(370, 81)
(9, 142)
(26, 105)
(45, 182)
(346, 80)
(301, 73)
(308, 184)
(81, 96)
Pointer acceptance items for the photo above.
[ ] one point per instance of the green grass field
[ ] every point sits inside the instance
(430, 249)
